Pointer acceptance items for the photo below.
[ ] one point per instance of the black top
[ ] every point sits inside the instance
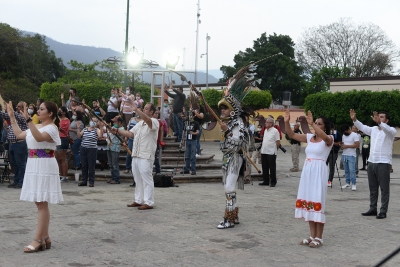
(200, 121)
(193, 126)
(295, 142)
(179, 100)
(336, 138)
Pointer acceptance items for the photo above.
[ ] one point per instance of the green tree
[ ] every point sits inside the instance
(278, 73)
(25, 63)
(319, 81)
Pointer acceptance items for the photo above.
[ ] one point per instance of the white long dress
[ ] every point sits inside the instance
(42, 180)
(311, 197)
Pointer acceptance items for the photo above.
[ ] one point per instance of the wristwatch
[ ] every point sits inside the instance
(29, 119)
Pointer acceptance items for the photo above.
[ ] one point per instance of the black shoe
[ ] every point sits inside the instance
(193, 173)
(132, 185)
(263, 183)
(18, 186)
(11, 185)
(381, 215)
(363, 169)
(370, 213)
(184, 172)
(82, 184)
(272, 185)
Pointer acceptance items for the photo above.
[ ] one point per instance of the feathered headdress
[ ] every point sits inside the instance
(239, 86)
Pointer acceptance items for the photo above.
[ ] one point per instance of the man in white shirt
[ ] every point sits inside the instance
(379, 161)
(145, 135)
(269, 149)
(350, 142)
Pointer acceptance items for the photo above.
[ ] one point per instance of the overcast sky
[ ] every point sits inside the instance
(158, 27)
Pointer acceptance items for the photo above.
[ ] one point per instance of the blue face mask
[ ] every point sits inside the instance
(112, 95)
(116, 126)
(92, 123)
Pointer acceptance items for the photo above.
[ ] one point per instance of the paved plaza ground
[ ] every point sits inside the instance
(93, 226)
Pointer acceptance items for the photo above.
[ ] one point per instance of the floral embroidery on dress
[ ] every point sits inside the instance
(41, 153)
(308, 205)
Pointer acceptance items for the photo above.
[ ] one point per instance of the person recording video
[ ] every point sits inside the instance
(333, 155)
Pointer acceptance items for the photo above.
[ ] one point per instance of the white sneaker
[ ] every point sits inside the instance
(225, 224)
(353, 187)
(197, 155)
(64, 179)
(346, 186)
(329, 184)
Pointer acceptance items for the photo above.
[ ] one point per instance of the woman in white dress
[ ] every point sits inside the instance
(41, 182)
(311, 197)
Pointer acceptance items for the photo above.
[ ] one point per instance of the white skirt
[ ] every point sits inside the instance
(42, 181)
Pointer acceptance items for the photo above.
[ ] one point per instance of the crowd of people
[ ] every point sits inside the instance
(40, 135)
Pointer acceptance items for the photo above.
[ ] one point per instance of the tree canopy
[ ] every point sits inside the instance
(363, 49)
(279, 73)
(25, 63)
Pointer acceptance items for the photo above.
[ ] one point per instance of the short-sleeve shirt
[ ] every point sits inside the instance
(350, 140)
(271, 135)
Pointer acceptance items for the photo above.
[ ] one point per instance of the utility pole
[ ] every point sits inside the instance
(208, 39)
(126, 45)
(197, 41)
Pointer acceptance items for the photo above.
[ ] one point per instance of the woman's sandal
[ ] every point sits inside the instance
(47, 242)
(31, 249)
(316, 243)
(307, 241)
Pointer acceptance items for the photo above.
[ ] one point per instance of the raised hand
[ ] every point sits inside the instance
(287, 115)
(376, 118)
(353, 115)
(24, 112)
(10, 111)
(62, 95)
(310, 119)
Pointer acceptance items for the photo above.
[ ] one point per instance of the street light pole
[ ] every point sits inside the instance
(197, 37)
(126, 44)
(208, 39)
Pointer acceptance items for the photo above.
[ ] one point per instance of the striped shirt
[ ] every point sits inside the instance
(20, 121)
(89, 138)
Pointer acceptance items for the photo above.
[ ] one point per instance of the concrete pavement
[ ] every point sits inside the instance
(93, 227)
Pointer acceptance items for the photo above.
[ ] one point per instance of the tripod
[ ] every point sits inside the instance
(331, 161)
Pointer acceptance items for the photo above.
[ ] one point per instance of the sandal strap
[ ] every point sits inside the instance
(308, 240)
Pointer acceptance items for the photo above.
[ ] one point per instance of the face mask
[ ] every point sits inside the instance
(74, 117)
(346, 133)
(259, 129)
(59, 114)
(165, 105)
(92, 123)
(112, 95)
(116, 125)
(128, 92)
(30, 111)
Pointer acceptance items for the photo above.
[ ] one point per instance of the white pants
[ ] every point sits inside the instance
(142, 170)
(231, 179)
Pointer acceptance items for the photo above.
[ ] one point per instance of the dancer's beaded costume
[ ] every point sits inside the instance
(234, 140)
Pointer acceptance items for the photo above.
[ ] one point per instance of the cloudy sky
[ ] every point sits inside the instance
(159, 27)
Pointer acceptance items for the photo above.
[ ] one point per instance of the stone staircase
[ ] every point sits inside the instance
(172, 160)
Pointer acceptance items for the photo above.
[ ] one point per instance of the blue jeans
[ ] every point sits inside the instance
(349, 163)
(128, 163)
(178, 125)
(198, 140)
(113, 162)
(75, 150)
(18, 155)
(190, 155)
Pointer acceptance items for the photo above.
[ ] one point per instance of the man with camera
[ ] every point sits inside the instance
(269, 150)
(296, 145)
(333, 155)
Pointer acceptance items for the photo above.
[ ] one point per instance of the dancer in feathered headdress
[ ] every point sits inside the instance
(234, 138)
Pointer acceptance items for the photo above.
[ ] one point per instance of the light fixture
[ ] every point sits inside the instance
(172, 61)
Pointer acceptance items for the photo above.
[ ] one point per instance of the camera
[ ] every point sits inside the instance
(282, 148)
